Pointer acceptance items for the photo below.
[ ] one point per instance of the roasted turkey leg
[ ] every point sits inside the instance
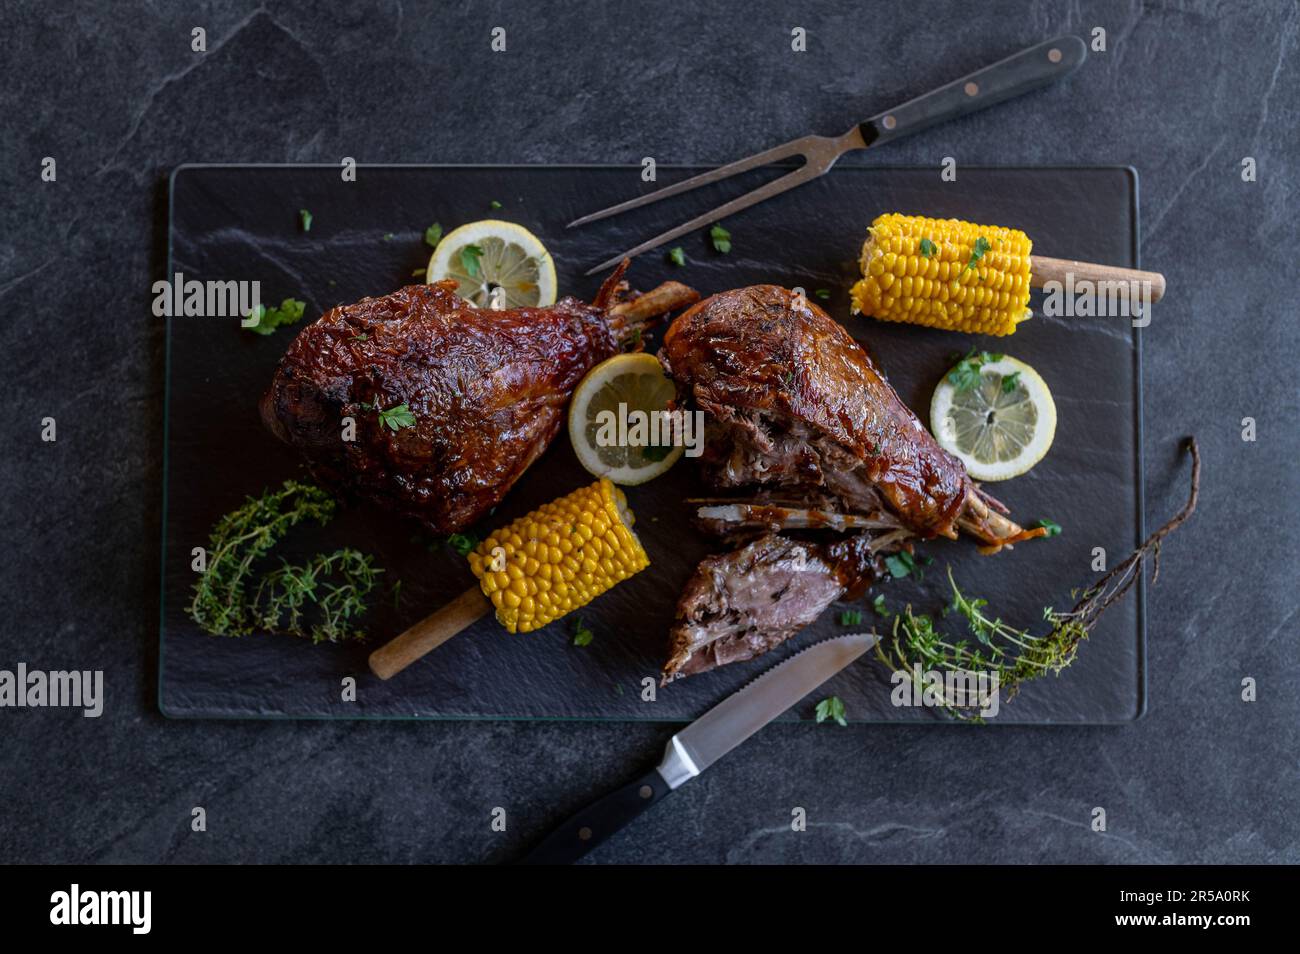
(794, 403)
(487, 390)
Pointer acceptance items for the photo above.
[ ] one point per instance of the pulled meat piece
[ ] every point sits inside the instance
(741, 604)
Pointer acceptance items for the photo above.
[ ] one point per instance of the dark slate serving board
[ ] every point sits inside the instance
(241, 222)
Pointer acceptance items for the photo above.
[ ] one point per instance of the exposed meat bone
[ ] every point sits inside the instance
(726, 517)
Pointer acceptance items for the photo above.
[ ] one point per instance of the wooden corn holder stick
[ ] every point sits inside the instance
(429, 633)
(1043, 270)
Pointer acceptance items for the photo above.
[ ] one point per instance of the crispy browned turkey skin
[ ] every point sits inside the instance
(487, 389)
(794, 402)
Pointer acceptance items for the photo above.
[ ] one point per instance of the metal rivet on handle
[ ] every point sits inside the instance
(972, 89)
(646, 791)
(584, 834)
(1054, 55)
(889, 122)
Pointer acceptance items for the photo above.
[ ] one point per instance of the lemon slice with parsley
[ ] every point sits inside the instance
(994, 413)
(636, 382)
(495, 264)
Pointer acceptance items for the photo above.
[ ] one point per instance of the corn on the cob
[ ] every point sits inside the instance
(954, 281)
(559, 557)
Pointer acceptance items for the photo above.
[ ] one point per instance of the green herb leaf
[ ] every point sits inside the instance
(823, 293)
(361, 337)
(268, 319)
(720, 238)
(1051, 526)
(397, 417)
(495, 205)
(977, 251)
(229, 599)
(463, 543)
(433, 235)
(832, 708)
(878, 604)
(851, 618)
(418, 273)
(582, 635)
(903, 564)
(305, 217)
(469, 258)
(928, 248)
(677, 255)
(1010, 381)
(965, 374)
(388, 236)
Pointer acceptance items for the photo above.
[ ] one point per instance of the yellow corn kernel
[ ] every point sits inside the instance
(942, 290)
(559, 557)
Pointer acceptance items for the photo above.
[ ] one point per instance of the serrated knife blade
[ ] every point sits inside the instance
(702, 743)
(743, 713)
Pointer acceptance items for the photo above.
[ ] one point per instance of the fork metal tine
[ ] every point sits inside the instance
(791, 179)
(795, 147)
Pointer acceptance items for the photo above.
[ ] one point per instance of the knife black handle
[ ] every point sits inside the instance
(1027, 70)
(587, 829)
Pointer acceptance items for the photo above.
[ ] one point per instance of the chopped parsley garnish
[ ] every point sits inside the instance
(720, 238)
(268, 319)
(582, 635)
(433, 235)
(462, 543)
(965, 374)
(361, 337)
(851, 618)
(1010, 381)
(904, 564)
(977, 251)
(305, 217)
(832, 708)
(388, 236)
(397, 417)
(1051, 526)
(418, 273)
(878, 604)
(495, 205)
(469, 258)
(677, 255)
(928, 248)
(823, 293)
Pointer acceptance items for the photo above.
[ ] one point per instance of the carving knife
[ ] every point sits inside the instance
(702, 743)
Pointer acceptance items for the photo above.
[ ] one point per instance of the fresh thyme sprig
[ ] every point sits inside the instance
(1014, 654)
(337, 583)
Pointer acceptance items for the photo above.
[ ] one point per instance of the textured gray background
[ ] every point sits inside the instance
(116, 95)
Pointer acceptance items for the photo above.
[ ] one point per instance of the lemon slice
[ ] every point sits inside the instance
(495, 264)
(612, 392)
(998, 429)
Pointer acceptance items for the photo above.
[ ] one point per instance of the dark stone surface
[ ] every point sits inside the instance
(119, 99)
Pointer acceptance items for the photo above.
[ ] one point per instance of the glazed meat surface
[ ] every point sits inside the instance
(794, 403)
(487, 390)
